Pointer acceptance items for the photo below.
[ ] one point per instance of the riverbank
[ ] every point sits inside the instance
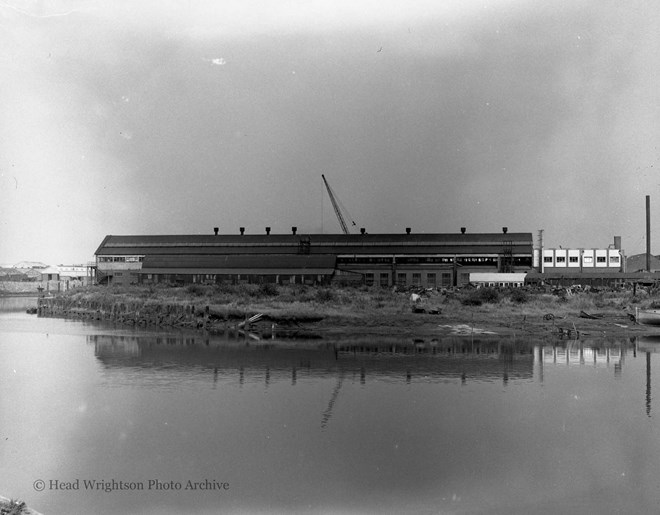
(313, 312)
(12, 507)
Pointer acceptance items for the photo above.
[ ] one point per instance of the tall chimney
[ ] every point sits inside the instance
(648, 233)
(617, 242)
(215, 230)
(242, 229)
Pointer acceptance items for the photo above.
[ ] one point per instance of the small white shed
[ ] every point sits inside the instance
(494, 279)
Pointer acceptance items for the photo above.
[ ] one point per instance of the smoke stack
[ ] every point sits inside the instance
(242, 229)
(463, 230)
(267, 230)
(617, 242)
(408, 229)
(505, 230)
(363, 230)
(648, 233)
(294, 229)
(215, 230)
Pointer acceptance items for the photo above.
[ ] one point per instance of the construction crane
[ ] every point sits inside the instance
(336, 205)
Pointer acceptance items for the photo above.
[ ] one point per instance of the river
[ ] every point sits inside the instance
(103, 419)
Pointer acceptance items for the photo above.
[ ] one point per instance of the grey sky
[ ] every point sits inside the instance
(122, 117)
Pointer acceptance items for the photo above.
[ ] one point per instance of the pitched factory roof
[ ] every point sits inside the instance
(317, 243)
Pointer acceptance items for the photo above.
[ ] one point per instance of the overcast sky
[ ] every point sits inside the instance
(172, 117)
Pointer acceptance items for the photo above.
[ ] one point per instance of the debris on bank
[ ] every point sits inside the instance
(465, 330)
(15, 507)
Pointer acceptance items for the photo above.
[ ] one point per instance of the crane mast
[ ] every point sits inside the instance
(335, 206)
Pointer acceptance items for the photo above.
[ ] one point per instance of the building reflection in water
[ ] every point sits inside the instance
(176, 361)
(245, 360)
(406, 360)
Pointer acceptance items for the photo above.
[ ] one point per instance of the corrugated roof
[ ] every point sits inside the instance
(318, 243)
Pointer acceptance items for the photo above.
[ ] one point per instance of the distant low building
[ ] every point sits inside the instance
(32, 274)
(30, 264)
(52, 273)
(73, 272)
(12, 274)
(637, 263)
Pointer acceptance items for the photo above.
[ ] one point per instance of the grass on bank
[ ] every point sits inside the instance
(303, 301)
(294, 300)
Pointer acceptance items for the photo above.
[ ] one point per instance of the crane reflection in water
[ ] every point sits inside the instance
(649, 344)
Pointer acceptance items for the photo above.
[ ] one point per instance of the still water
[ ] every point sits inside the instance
(108, 420)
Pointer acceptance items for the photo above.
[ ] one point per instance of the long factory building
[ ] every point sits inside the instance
(408, 259)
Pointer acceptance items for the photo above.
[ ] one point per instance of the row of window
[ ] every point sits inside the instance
(233, 278)
(429, 280)
(461, 260)
(587, 260)
(368, 260)
(121, 259)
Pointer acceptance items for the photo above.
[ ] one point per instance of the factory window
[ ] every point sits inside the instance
(423, 259)
(363, 260)
(588, 260)
(547, 259)
(119, 259)
(430, 280)
(446, 279)
(522, 261)
(401, 279)
(573, 259)
(561, 259)
(369, 279)
(477, 261)
(416, 279)
(600, 259)
(384, 280)
(614, 260)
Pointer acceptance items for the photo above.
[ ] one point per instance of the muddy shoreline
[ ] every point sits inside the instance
(440, 317)
(482, 325)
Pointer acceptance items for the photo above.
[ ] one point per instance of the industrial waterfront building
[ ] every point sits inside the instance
(409, 259)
